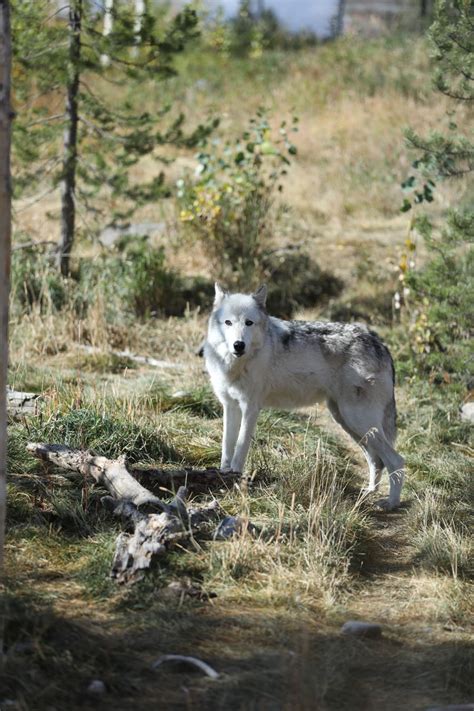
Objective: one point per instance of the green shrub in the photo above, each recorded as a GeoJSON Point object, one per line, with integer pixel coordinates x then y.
{"type": "Point", "coordinates": [228, 206]}
{"type": "Point", "coordinates": [439, 302]}
{"type": "Point", "coordinates": [143, 283]}
{"type": "Point", "coordinates": [295, 280]}
{"type": "Point", "coordinates": [35, 280]}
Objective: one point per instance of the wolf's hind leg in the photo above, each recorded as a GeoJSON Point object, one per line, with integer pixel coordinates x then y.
{"type": "Point", "coordinates": [366, 424]}
{"type": "Point", "coordinates": [374, 462]}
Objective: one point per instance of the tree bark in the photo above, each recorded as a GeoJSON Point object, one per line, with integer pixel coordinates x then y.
{"type": "Point", "coordinates": [68, 182]}
{"type": "Point", "coordinates": [108, 27]}
{"type": "Point", "coordinates": [424, 8]}
{"type": "Point", "coordinates": [140, 9]}
{"type": "Point", "coordinates": [137, 484]}
{"type": "Point", "coordinates": [6, 116]}
{"type": "Point", "coordinates": [339, 18]}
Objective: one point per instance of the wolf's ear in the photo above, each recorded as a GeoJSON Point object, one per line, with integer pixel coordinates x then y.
{"type": "Point", "coordinates": [260, 296]}
{"type": "Point", "coordinates": [219, 295]}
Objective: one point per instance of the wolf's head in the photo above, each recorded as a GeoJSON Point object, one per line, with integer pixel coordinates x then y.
{"type": "Point", "coordinates": [237, 323]}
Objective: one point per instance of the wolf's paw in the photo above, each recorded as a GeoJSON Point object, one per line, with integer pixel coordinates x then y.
{"type": "Point", "coordinates": [228, 470]}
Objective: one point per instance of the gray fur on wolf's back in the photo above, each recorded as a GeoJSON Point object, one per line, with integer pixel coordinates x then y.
{"type": "Point", "coordinates": [335, 338]}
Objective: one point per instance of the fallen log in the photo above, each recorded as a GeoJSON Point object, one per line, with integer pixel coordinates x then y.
{"type": "Point", "coordinates": [141, 359]}
{"type": "Point", "coordinates": [150, 534]}
{"type": "Point", "coordinates": [20, 404]}
{"type": "Point", "coordinates": [196, 480]}
{"type": "Point", "coordinates": [151, 480]}
{"type": "Point", "coordinates": [112, 473]}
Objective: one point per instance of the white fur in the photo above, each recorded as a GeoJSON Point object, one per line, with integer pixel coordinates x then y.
{"type": "Point", "coordinates": [290, 364]}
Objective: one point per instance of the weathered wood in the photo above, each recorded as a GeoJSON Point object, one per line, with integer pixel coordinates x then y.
{"type": "Point", "coordinates": [152, 534]}
{"type": "Point", "coordinates": [112, 473]}
{"type": "Point", "coordinates": [143, 360]}
{"type": "Point", "coordinates": [151, 480]}
{"type": "Point", "coordinates": [20, 403]}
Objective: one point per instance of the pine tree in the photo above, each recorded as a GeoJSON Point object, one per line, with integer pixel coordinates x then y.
{"type": "Point", "coordinates": [5, 251]}
{"type": "Point", "coordinates": [444, 288]}
{"type": "Point", "coordinates": [59, 62]}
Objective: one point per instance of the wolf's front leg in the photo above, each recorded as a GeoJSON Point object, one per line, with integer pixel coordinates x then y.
{"type": "Point", "coordinates": [232, 420]}
{"type": "Point", "coordinates": [247, 428]}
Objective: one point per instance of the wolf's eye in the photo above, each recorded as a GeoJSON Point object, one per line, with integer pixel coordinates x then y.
{"type": "Point", "coordinates": [249, 322]}
{"type": "Point", "coordinates": [228, 323]}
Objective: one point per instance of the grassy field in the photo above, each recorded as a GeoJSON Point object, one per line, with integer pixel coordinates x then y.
{"type": "Point", "coordinates": [272, 605]}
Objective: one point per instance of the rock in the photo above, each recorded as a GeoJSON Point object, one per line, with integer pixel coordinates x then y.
{"type": "Point", "coordinates": [228, 527]}
{"type": "Point", "coordinates": [362, 629]}
{"type": "Point", "coordinates": [180, 394]}
{"type": "Point", "coordinates": [96, 687]}
{"type": "Point", "coordinates": [109, 235]}
{"type": "Point", "coordinates": [233, 525]}
{"type": "Point", "coordinates": [453, 707]}
{"type": "Point", "coordinates": [23, 648]}
{"type": "Point", "coordinates": [467, 412]}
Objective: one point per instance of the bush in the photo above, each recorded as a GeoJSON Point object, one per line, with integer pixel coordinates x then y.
{"type": "Point", "coordinates": [228, 207]}
{"type": "Point", "coordinates": [438, 297]}
{"type": "Point", "coordinates": [134, 280]}
{"type": "Point", "coordinates": [295, 280]}
{"type": "Point", "coordinates": [146, 284]}
{"type": "Point", "coordinates": [36, 281]}
{"type": "Point", "coordinates": [249, 33]}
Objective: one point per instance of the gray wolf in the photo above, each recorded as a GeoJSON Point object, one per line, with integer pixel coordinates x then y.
{"type": "Point", "coordinates": [255, 361]}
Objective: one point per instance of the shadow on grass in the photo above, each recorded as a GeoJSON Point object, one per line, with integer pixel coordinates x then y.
{"type": "Point", "coordinates": [266, 660]}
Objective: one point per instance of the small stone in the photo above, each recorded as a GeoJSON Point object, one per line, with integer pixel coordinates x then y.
{"type": "Point", "coordinates": [23, 648]}
{"type": "Point", "coordinates": [228, 527]}
{"type": "Point", "coordinates": [467, 412]}
{"type": "Point", "coordinates": [362, 629]}
{"type": "Point", "coordinates": [179, 394]}
{"type": "Point", "coordinates": [96, 687]}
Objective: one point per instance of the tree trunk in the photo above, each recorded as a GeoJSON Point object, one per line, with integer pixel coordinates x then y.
{"type": "Point", "coordinates": [140, 9]}
{"type": "Point", "coordinates": [338, 22]}
{"type": "Point", "coordinates": [5, 254]}
{"type": "Point", "coordinates": [68, 182]}
{"type": "Point", "coordinates": [108, 27]}
{"type": "Point", "coordinates": [424, 8]}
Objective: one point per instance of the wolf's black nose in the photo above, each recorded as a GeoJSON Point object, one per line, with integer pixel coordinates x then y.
{"type": "Point", "coordinates": [239, 346]}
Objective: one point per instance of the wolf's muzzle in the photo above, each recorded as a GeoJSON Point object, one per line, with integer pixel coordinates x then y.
{"type": "Point", "coordinates": [239, 348]}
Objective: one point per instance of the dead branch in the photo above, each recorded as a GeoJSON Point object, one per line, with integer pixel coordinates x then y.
{"type": "Point", "coordinates": [143, 360]}
{"type": "Point", "coordinates": [112, 473]}
{"type": "Point", "coordinates": [196, 480]}
{"type": "Point", "coordinates": [20, 403]}
{"type": "Point", "coordinates": [152, 480]}
{"type": "Point", "coordinates": [149, 535]}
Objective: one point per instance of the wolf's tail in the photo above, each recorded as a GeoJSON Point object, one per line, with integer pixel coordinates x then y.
{"type": "Point", "coordinates": [390, 412]}
{"type": "Point", "coordinates": [390, 421]}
